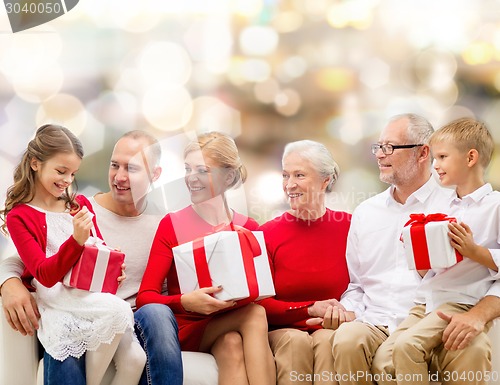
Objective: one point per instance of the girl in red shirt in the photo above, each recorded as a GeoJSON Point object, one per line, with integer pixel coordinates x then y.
{"type": "Point", "coordinates": [39, 217]}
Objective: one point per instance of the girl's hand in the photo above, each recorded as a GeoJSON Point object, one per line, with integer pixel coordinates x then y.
{"type": "Point", "coordinates": [200, 301]}
{"type": "Point", "coordinates": [122, 277]}
{"type": "Point", "coordinates": [82, 223]}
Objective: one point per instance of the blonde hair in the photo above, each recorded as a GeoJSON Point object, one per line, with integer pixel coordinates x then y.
{"type": "Point", "coordinates": [49, 141]}
{"type": "Point", "coordinates": [222, 150]}
{"type": "Point", "coordinates": [467, 134]}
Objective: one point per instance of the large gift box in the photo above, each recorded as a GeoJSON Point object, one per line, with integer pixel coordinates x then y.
{"type": "Point", "coordinates": [427, 244]}
{"type": "Point", "coordinates": [97, 269]}
{"type": "Point", "coordinates": [236, 260]}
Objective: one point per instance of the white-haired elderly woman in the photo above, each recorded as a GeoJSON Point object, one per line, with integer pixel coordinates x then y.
{"type": "Point", "coordinates": [306, 247]}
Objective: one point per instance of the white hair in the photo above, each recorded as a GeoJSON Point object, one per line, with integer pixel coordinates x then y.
{"type": "Point", "coordinates": [319, 156]}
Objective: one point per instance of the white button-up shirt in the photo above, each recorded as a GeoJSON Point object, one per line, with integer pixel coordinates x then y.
{"type": "Point", "coordinates": [468, 281]}
{"type": "Point", "coordinates": [382, 288]}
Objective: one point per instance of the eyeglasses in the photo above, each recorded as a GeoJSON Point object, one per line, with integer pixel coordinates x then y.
{"type": "Point", "coordinates": [388, 149]}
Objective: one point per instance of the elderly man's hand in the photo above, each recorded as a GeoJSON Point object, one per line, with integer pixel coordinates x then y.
{"type": "Point", "coordinates": [334, 317]}
{"type": "Point", "coordinates": [461, 330]}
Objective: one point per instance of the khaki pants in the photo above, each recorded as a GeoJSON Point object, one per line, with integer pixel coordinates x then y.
{"type": "Point", "coordinates": [416, 345]}
{"type": "Point", "coordinates": [354, 346]}
{"type": "Point", "coordinates": [303, 358]}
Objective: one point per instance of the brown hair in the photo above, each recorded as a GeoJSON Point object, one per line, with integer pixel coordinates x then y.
{"type": "Point", "coordinates": [49, 140]}
{"type": "Point", "coordinates": [222, 149]}
{"type": "Point", "coordinates": [467, 134]}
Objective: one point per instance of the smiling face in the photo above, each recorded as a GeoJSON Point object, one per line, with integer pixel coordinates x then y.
{"type": "Point", "coordinates": [303, 185]}
{"type": "Point", "coordinates": [55, 175]}
{"type": "Point", "coordinates": [450, 163]}
{"type": "Point", "coordinates": [399, 168]}
{"type": "Point", "coordinates": [129, 176]}
{"type": "Point", "coordinates": [204, 178]}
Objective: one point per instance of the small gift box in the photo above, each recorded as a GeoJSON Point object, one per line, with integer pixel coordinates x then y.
{"type": "Point", "coordinates": [97, 269]}
{"type": "Point", "coordinates": [427, 244]}
{"type": "Point", "coordinates": [236, 260]}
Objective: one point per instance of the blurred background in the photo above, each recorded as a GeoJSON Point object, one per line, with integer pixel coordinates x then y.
{"type": "Point", "coordinates": [265, 71]}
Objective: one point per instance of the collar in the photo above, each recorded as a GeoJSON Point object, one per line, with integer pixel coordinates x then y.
{"type": "Point", "coordinates": [474, 196]}
{"type": "Point", "coordinates": [419, 195]}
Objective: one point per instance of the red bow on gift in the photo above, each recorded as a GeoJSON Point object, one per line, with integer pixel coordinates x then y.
{"type": "Point", "coordinates": [417, 224]}
{"type": "Point", "coordinates": [422, 218]}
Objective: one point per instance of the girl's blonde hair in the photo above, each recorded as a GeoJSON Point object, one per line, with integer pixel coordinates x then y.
{"type": "Point", "coordinates": [222, 150]}
{"type": "Point", "coordinates": [49, 141]}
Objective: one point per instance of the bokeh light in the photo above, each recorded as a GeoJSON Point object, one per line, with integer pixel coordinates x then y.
{"type": "Point", "coordinates": [63, 109]}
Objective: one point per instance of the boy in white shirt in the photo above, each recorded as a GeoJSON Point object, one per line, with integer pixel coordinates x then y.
{"type": "Point", "coordinates": [462, 151]}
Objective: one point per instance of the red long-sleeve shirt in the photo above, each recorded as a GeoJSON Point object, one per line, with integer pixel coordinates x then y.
{"type": "Point", "coordinates": [308, 264]}
{"type": "Point", "coordinates": [28, 229]}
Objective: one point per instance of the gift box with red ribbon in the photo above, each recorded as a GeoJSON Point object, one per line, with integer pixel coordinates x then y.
{"type": "Point", "coordinates": [97, 269]}
{"type": "Point", "coordinates": [236, 260]}
{"type": "Point", "coordinates": [427, 244]}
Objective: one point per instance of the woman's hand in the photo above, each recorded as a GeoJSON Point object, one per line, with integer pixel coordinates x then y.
{"type": "Point", "coordinates": [82, 223]}
{"type": "Point", "coordinates": [200, 301]}
{"type": "Point", "coordinates": [318, 308]}
{"type": "Point", "coordinates": [333, 318]}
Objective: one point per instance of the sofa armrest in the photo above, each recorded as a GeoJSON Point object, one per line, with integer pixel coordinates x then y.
{"type": "Point", "coordinates": [494, 334]}
{"type": "Point", "coordinates": [18, 355]}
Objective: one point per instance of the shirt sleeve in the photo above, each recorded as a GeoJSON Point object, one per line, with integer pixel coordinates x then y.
{"type": "Point", "coordinates": [495, 255]}
{"type": "Point", "coordinates": [11, 267]}
{"type": "Point", "coordinates": [158, 267]}
{"type": "Point", "coordinates": [352, 299]}
{"type": "Point", "coordinates": [48, 271]}
{"type": "Point", "coordinates": [285, 313]}
{"type": "Point", "coordinates": [494, 289]}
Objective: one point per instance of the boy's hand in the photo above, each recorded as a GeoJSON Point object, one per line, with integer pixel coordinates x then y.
{"type": "Point", "coordinates": [82, 223]}
{"type": "Point", "coordinates": [462, 239]}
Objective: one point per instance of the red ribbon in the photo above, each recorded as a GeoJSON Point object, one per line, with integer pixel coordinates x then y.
{"type": "Point", "coordinates": [250, 249]}
{"type": "Point", "coordinates": [417, 224]}
{"type": "Point", "coordinates": [423, 219]}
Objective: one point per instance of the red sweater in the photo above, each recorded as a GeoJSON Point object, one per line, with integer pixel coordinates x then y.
{"type": "Point", "coordinates": [308, 264]}
{"type": "Point", "coordinates": [28, 230]}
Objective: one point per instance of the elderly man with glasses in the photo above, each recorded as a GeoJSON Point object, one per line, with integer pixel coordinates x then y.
{"type": "Point", "coordinates": [382, 288]}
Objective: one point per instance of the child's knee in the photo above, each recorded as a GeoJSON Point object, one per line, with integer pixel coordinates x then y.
{"type": "Point", "coordinates": [133, 361]}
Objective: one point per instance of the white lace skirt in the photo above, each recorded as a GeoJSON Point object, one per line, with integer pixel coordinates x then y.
{"type": "Point", "coordinates": [74, 321]}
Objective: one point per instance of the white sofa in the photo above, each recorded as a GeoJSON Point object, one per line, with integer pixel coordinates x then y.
{"type": "Point", "coordinates": [19, 364]}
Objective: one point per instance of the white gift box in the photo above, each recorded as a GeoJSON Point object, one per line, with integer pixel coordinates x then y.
{"type": "Point", "coordinates": [225, 261]}
{"type": "Point", "coordinates": [427, 244]}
